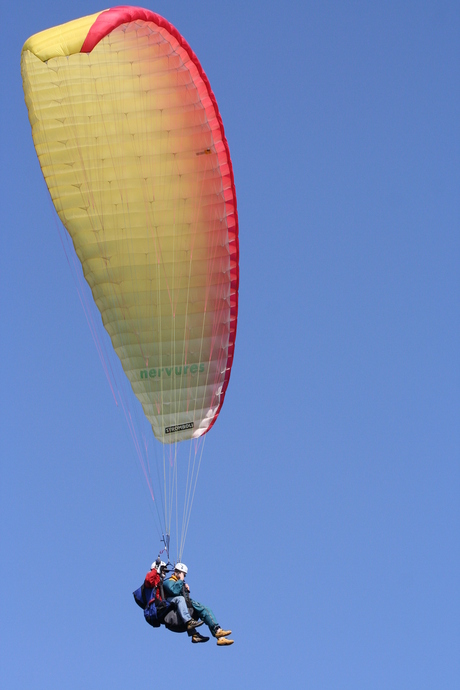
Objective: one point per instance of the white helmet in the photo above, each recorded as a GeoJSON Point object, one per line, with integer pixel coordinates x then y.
{"type": "Point", "coordinates": [158, 565]}
{"type": "Point", "coordinates": [181, 567]}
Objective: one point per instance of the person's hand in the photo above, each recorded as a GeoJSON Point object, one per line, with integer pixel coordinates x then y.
{"type": "Point", "coordinates": [187, 587]}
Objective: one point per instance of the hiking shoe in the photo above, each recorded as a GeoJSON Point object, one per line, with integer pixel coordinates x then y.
{"type": "Point", "coordinates": [222, 641]}
{"type": "Point", "coordinates": [193, 624]}
{"type": "Point", "coordinates": [199, 638]}
{"type": "Point", "coordinates": [222, 633]}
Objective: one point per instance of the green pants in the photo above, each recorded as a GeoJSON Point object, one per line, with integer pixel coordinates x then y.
{"type": "Point", "coordinates": [206, 616]}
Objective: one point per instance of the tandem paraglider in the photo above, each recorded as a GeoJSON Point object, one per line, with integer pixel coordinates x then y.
{"type": "Point", "coordinates": [166, 601]}
{"type": "Point", "coordinates": [133, 151]}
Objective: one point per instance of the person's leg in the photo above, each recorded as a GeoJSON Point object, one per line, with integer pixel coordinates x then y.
{"type": "Point", "coordinates": [181, 606]}
{"type": "Point", "coordinates": [209, 618]}
{"type": "Point", "coordinates": [206, 615]}
{"type": "Point", "coordinates": [184, 613]}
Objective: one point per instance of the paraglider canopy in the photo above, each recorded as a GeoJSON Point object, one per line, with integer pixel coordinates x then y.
{"type": "Point", "coordinates": [133, 150]}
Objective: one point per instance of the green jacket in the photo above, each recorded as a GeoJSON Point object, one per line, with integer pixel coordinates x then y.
{"type": "Point", "coordinates": [173, 587]}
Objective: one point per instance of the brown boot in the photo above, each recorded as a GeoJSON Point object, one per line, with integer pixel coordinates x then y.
{"type": "Point", "coordinates": [193, 624]}
{"type": "Point", "coordinates": [223, 641]}
{"type": "Point", "coordinates": [222, 633]}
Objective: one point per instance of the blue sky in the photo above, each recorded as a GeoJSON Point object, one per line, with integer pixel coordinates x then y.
{"type": "Point", "coordinates": [325, 529]}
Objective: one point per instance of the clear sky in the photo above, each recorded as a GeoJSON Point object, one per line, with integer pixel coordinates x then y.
{"type": "Point", "coordinates": [325, 530]}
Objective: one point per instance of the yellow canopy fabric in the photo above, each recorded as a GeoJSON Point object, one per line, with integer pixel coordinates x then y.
{"type": "Point", "coordinates": [133, 151]}
{"type": "Point", "coordinates": [65, 39]}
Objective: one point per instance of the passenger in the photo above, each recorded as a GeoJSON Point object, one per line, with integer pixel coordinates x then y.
{"type": "Point", "coordinates": [178, 592]}
{"type": "Point", "coordinates": [173, 589]}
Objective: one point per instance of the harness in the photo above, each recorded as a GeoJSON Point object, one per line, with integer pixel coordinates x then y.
{"type": "Point", "coordinates": [154, 609]}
